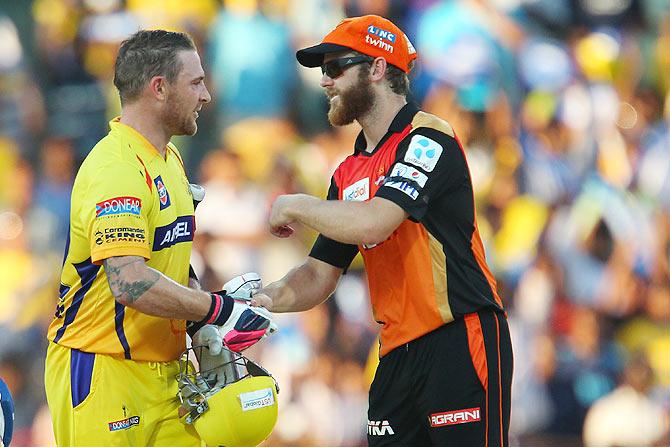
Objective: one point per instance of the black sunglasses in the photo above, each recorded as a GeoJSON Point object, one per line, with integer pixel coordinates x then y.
{"type": "Point", "coordinates": [335, 67]}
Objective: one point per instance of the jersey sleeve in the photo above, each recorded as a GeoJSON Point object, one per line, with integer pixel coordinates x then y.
{"type": "Point", "coordinates": [427, 163]}
{"type": "Point", "coordinates": [116, 205]}
{"type": "Point", "coordinates": [330, 251]}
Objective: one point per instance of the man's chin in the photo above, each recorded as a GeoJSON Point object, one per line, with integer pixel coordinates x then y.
{"type": "Point", "coordinates": [188, 129]}
{"type": "Point", "coordinates": [337, 118]}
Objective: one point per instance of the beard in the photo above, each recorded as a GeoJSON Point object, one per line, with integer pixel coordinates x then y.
{"type": "Point", "coordinates": [177, 120]}
{"type": "Point", "coordinates": [353, 103]}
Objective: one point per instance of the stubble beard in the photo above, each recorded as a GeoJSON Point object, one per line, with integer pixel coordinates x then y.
{"type": "Point", "coordinates": [353, 103]}
{"type": "Point", "coordinates": [177, 120]}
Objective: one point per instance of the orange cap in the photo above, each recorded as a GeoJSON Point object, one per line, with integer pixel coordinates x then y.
{"type": "Point", "coordinates": [370, 35]}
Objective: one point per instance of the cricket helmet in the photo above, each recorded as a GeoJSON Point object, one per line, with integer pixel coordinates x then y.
{"type": "Point", "coordinates": [240, 413]}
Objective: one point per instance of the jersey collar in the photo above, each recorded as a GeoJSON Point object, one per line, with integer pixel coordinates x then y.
{"type": "Point", "coordinates": [399, 123]}
{"type": "Point", "coordinates": [137, 139]}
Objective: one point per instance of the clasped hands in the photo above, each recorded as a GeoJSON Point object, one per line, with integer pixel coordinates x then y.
{"type": "Point", "coordinates": [245, 327]}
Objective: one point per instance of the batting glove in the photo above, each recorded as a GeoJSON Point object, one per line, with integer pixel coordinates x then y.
{"type": "Point", "coordinates": [217, 365]}
{"type": "Point", "coordinates": [243, 287]}
{"type": "Point", "coordinates": [246, 326]}
{"type": "Point", "coordinates": [240, 325]}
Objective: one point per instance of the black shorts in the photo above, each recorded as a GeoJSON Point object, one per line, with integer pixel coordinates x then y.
{"type": "Point", "coordinates": [450, 387]}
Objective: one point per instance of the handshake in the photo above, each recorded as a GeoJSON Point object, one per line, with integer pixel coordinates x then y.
{"type": "Point", "coordinates": [245, 325]}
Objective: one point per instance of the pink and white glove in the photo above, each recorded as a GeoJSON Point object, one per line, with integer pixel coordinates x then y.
{"type": "Point", "coordinates": [246, 325]}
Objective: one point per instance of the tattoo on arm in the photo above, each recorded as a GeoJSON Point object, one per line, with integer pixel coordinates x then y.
{"type": "Point", "coordinates": [129, 291]}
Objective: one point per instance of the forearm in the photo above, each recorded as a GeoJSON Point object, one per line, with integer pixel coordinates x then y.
{"type": "Point", "coordinates": [146, 290]}
{"type": "Point", "coordinates": [301, 289]}
{"type": "Point", "coordinates": [349, 222]}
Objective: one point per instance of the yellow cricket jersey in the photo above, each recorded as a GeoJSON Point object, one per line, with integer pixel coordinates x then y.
{"type": "Point", "coordinates": [126, 201]}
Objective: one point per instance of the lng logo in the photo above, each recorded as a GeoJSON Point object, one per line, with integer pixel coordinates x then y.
{"type": "Point", "coordinates": [163, 195]}
{"type": "Point", "coordinates": [423, 152]}
{"type": "Point", "coordinates": [380, 428]}
{"type": "Point", "coordinates": [359, 191]}
{"type": "Point", "coordinates": [118, 205]}
{"type": "Point", "coordinates": [406, 179]}
{"type": "Point", "coordinates": [384, 37]}
{"type": "Point", "coordinates": [257, 399]}
{"type": "Point", "coordinates": [124, 424]}
{"type": "Point", "coordinates": [455, 417]}
{"type": "Point", "coordinates": [382, 33]}
{"type": "Point", "coordinates": [181, 230]}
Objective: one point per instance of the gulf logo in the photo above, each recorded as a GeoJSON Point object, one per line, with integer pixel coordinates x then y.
{"type": "Point", "coordinates": [163, 195]}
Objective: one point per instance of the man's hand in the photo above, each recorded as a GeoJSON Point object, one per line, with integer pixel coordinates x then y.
{"type": "Point", "coordinates": [239, 325]}
{"type": "Point", "coordinates": [260, 299]}
{"type": "Point", "coordinates": [280, 218]}
{"type": "Point", "coordinates": [246, 326]}
{"type": "Point", "coordinates": [243, 287]}
{"type": "Point", "coordinates": [208, 346]}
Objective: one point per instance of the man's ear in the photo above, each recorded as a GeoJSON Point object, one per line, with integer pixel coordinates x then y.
{"type": "Point", "coordinates": [378, 69]}
{"type": "Point", "coordinates": [158, 87]}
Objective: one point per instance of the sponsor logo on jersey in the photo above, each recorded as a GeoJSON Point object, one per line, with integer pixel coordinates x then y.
{"type": "Point", "coordinates": [410, 173]}
{"type": "Point", "coordinates": [118, 205]}
{"type": "Point", "coordinates": [124, 424]}
{"type": "Point", "coordinates": [423, 152]}
{"type": "Point", "coordinates": [257, 399]}
{"type": "Point", "coordinates": [119, 234]}
{"type": "Point", "coordinates": [359, 191]}
{"type": "Point", "coordinates": [403, 186]}
{"type": "Point", "coordinates": [181, 230]}
{"type": "Point", "coordinates": [455, 417]}
{"type": "Point", "coordinates": [380, 428]}
{"type": "Point", "coordinates": [163, 195]}
{"type": "Point", "coordinates": [406, 179]}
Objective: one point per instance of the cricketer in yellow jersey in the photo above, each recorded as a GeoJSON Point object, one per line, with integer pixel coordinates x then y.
{"type": "Point", "coordinates": [127, 298]}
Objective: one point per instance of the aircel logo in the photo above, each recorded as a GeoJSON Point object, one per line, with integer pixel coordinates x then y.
{"type": "Point", "coordinates": [455, 417]}
{"type": "Point", "coordinates": [358, 191]}
{"type": "Point", "coordinates": [124, 424]}
{"type": "Point", "coordinates": [181, 230]}
{"type": "Point", "coordinates": [380, 428]}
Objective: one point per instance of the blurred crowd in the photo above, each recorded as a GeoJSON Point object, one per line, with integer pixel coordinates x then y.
{"type": "Point", "coordinates": [563, 108]}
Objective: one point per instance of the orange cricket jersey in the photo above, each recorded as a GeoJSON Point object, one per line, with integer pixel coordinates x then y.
{"type": "Point", "coordinates": [432, 269]}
